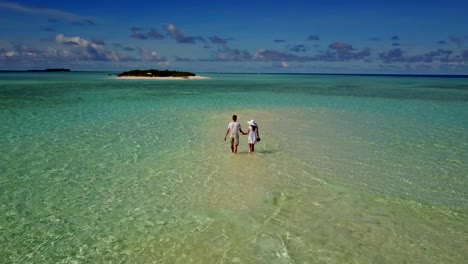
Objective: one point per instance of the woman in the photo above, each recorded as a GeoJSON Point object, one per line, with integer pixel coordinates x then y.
{"type": "Point", "coordinates": [252, 135]}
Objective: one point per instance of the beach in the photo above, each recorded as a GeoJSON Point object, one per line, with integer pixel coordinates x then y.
{"type": "Point", "coordinates": [350, 169]}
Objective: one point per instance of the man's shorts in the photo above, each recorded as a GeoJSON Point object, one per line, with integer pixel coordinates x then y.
{"type": "Point", "coordinates": [234, 140]}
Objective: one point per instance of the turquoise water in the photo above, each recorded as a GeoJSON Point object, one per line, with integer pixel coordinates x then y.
{"type": "Point", "coordinates": [350, 169]}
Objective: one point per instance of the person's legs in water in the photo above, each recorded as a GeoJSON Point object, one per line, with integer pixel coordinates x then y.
{"type": "Point", "coordinates": [236, 144]}
{"type": "Point", "coordinates": [232, 144]}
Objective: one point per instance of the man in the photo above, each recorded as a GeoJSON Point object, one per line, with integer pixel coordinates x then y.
{"type": "Point", "coordinates": [234, 128]}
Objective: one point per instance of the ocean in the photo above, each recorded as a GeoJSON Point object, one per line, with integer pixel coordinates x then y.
{"type": "Point", "coordinates": [350, 169]}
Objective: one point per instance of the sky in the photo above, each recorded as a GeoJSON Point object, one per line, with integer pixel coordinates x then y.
{"type": "Point", "coordinates": [334, 36]}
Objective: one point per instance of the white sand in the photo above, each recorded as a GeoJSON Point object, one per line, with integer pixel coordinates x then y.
{"type": "Point", "coordinates": [164, 78]}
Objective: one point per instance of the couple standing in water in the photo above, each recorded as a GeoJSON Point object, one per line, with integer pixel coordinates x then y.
{"type": "Point", "coordinates": [234, 128]}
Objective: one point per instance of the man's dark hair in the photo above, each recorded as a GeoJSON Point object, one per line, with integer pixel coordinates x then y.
{"type": "Point", "coordinates": [234, 117]}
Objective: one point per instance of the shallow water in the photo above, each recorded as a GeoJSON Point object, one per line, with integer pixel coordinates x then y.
{"type": "Point", "coordinates": [363, 169]}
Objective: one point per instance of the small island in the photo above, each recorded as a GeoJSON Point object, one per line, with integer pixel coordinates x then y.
{"type": "Point", "coordinates": [51, 70]}
{"type": "Point", "coordinates": [158, 75]}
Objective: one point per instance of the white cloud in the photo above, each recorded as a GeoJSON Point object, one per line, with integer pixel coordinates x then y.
{"type": "Point", "coordinates": [11, 53]}
{"type": "Point", "coordinates": [149, 55]}
{"type": "Point", "coordinates": [86, 50]}
{"type": "Point", "coordinates": [54, 15]}
{"type": "Point", "coordinates": [61, 39]}
{"type": "Point", "coordinates": [170, 27]}
{"type": "Point", "coordinates": [258, 55]}
{"type": "Point", "coordinates": [40, 11]}
{"type": "Point", "coordinates": [181, 38]}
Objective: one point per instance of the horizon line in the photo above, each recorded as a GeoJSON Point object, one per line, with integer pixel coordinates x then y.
{"type": "Point", "coordinates": [278, 73]}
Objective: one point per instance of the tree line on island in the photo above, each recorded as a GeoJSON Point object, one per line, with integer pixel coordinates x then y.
{"type": "Point", "coordinates": [51, 70]}
{"type": "Point", "coordinates": [156, 73]}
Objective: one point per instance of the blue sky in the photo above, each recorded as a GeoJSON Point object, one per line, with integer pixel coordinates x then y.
{"type": "Point", "coordinates": [334, 36]}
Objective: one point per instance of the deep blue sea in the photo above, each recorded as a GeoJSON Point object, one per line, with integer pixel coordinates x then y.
{"type": "Point", "coordinates": [350, 169]}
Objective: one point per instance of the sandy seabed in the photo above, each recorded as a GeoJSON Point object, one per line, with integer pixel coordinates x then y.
{"type": "Point", "coordinates": [163, 78]}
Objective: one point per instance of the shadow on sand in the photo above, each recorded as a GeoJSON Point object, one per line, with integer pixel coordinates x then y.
{"type": "Point", "coordinates": [262, 152]}
{"type": "Point", "coordinates": [265, 151]}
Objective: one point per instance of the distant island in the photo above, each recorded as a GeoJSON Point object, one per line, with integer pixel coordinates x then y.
{"type": "Point", "coordinates": [156, 73]}
{"type": "Point", "coordinates": [51, 70]}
